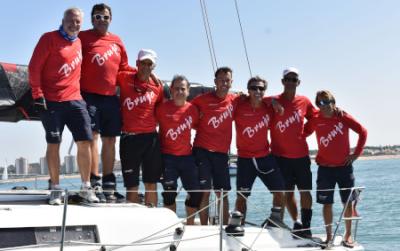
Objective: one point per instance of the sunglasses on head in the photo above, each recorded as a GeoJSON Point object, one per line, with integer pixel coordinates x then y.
{"type": "Point", "coordinates": [101, 17]}
{"type": "Point", "coordinates": [294, 80]}
{"type": "Point", "coordinates": [256, 88]}
{"type": "Point", "coordinates": [324, 102]}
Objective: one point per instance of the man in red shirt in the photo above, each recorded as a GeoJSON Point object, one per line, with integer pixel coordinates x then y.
{"type": "Point", "coordinates": [252, 120]}
{"type": "Point", "coordinates": [291, 150]}
{"type": "Point", "coordinates": [54, 72]}
{"type": "Point", "coordinates": [139, 143]}
{"type": "Point", "coordinates": [104, 55]}
{"type": "Point", "coordinates": [213, 139]}
{"type": "Point", "coordinates": [334, 158]}
{"type": "Point", "coordinates": [176, 118]}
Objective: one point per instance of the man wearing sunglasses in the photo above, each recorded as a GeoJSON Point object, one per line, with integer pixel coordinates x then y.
{"type": "Point", "coordinates": [334, 158]}
{"type": "Point", "coordinates": [252, 120]}
{"type": "Point", "coordinates": [139, 143]}
{"type": "Point", "coordinates": [291, 149]}
{"type": "Point", "coordinates": [104, 55]}
{"type": "Point", "coordinates": [54, 72]}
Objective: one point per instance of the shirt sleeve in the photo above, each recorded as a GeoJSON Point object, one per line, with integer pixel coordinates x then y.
{"type": "Point", "coordinates": [359, 129]}
{"type": "Point", "coordinates": [309, 128]}
{"type": "Point", "coordinates": [124, 66]}
{"type": "Point", "coordinates": [36, 65]}
{"type": "Point", "coordinates": [311, 110]}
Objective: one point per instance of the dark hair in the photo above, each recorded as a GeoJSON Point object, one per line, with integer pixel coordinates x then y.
{"type": "Point", "coordinates": [101, 7]}
{"type": "Point", "coordinates": [325, 94]}
{"type": "Point", "coordinates": [179, 78]}
{"type": "Point", "coordinates": [224, 69]}
{"type": "Point", "coordinates": [257, 79]}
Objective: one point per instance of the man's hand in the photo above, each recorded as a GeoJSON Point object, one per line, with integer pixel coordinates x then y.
{"type": "Point", "coordinates": [40, 105]}
{"type": "Point", "coordinates": [350, 159]}
{"type": "Point", "coordinates": [339, 112]}
{"type": "Point", "coordinates": [278, 108]}
{"type": "Point", "coordinates": [156, 80]}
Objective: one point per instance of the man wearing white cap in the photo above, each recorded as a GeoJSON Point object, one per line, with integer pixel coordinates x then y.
{"type": "Point", "coordinates": [291, 149]}
{"type": "Point", "coordinates": [139, 143]}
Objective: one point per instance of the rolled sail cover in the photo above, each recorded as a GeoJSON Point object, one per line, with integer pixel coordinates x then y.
{"type": "Point", "coordinates": [15, 93]}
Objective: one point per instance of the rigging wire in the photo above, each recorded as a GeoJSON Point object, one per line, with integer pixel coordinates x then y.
{"type": "Point", "coordinates": [210, 40]}
{"type": "Point", "coordinates": [243, 39]}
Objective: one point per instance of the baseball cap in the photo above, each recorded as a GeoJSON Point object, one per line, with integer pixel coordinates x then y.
{"type": "Point", "coordinates": [147, 54]}
{"type": "Point", "coordinates": [290, 70]}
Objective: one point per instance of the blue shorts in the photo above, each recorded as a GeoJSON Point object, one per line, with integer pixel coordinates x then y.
{"type": "Point", "coordinates": [183, 167]}
{"type": "Point", "coordinates": [296, 172]}
{"type": "Point", "coordinates": [73, 114]}
{"type": "Point", "coordinates": [265, 168]}
{"type": "Point", "coordinates": [327, 179]}
{"type": "Point", "coordinates": [140, 151]}
{"type": "Point", "coordinates": [105, 114]}
{"type": "Point", "coordinates": [213, 169]}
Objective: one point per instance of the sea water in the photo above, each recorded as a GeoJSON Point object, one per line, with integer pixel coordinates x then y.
{"type": "Point", "coordinates": [379, 207]}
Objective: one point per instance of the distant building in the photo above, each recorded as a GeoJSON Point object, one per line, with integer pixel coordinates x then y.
{"type": "Point", "coordinates": [34, 168]}
{"type": "Point", "coordinates": [71, 165]}
{"type": "Point", "coordinates": [21, 166]}
{"type": "Point", "coordinates": [44, 169]}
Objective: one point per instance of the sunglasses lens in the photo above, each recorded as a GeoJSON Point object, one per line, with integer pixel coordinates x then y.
{"type": "Point", "coordinates": [294, 80]}
{"type": "Point", "coordinates": [101, 17]}
{"type": "Point", "coordinates": [255, 88]}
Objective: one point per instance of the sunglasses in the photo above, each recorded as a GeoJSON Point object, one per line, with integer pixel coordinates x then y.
{"type": "Point", "coordinates": [101, 17]}
{"type": "Point", "coordinates": [293, 80]}
{"type": "Point", "coordinates": [324, 102]}
{"type": "Point", "coordinates": [256, 88]}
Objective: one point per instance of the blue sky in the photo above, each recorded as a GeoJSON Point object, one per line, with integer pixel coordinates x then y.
{"type": "Point", "coordinates": [348, 47]}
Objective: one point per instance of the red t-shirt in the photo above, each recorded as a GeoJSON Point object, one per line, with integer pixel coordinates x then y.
{"type": "Point", "coordinates": [287, 130]}
{"type": "Point", "coordinates": [252, 129]}
{"type": "Point", "coordinates": [214, 132]}
{"type": "Point", "coordinates": [333, 138]}
{"type": "Point", "coordinates": [138, 101]}
{"type": "Point", "coordinates": [175, 124]}
{"type": "Point", "coordinates": [55, 68]}
{"type": "Point", "coordinates": [103, 57]}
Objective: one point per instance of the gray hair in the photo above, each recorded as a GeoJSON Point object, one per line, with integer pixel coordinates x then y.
{"type": "Point", "coordinates": [73, 10]}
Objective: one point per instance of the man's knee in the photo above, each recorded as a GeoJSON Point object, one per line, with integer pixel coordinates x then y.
{"type": "Point", "coordinates": [169, 197]}
{"type": "Point", "coordinates": [194, 199]}
{"type": "Point", "coordinates": [108, 141]}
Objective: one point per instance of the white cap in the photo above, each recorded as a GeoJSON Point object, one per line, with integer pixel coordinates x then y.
{"type": "Point", "coordinates": [147, 54]}
{"type": "Point", "coordinates": [289, 70]}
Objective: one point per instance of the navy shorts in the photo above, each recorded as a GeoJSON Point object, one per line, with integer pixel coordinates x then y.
{"type": "Point", "coordinates": [213, 169]}
{"type": "Point", "coordinates": [140, 151]}
{"type": "Point", "coordinates": [105, 114]}
{"type": "Point", "coordinates": [265, 168]}
{"type": "Point", "coordinates": [327, 179]}
{"type": "Point", "coordinates": [296, 172]}
{"type": "Point", "coordinates": [183, 167]}
{"type": "Point", "coordinates": [72, 114]}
